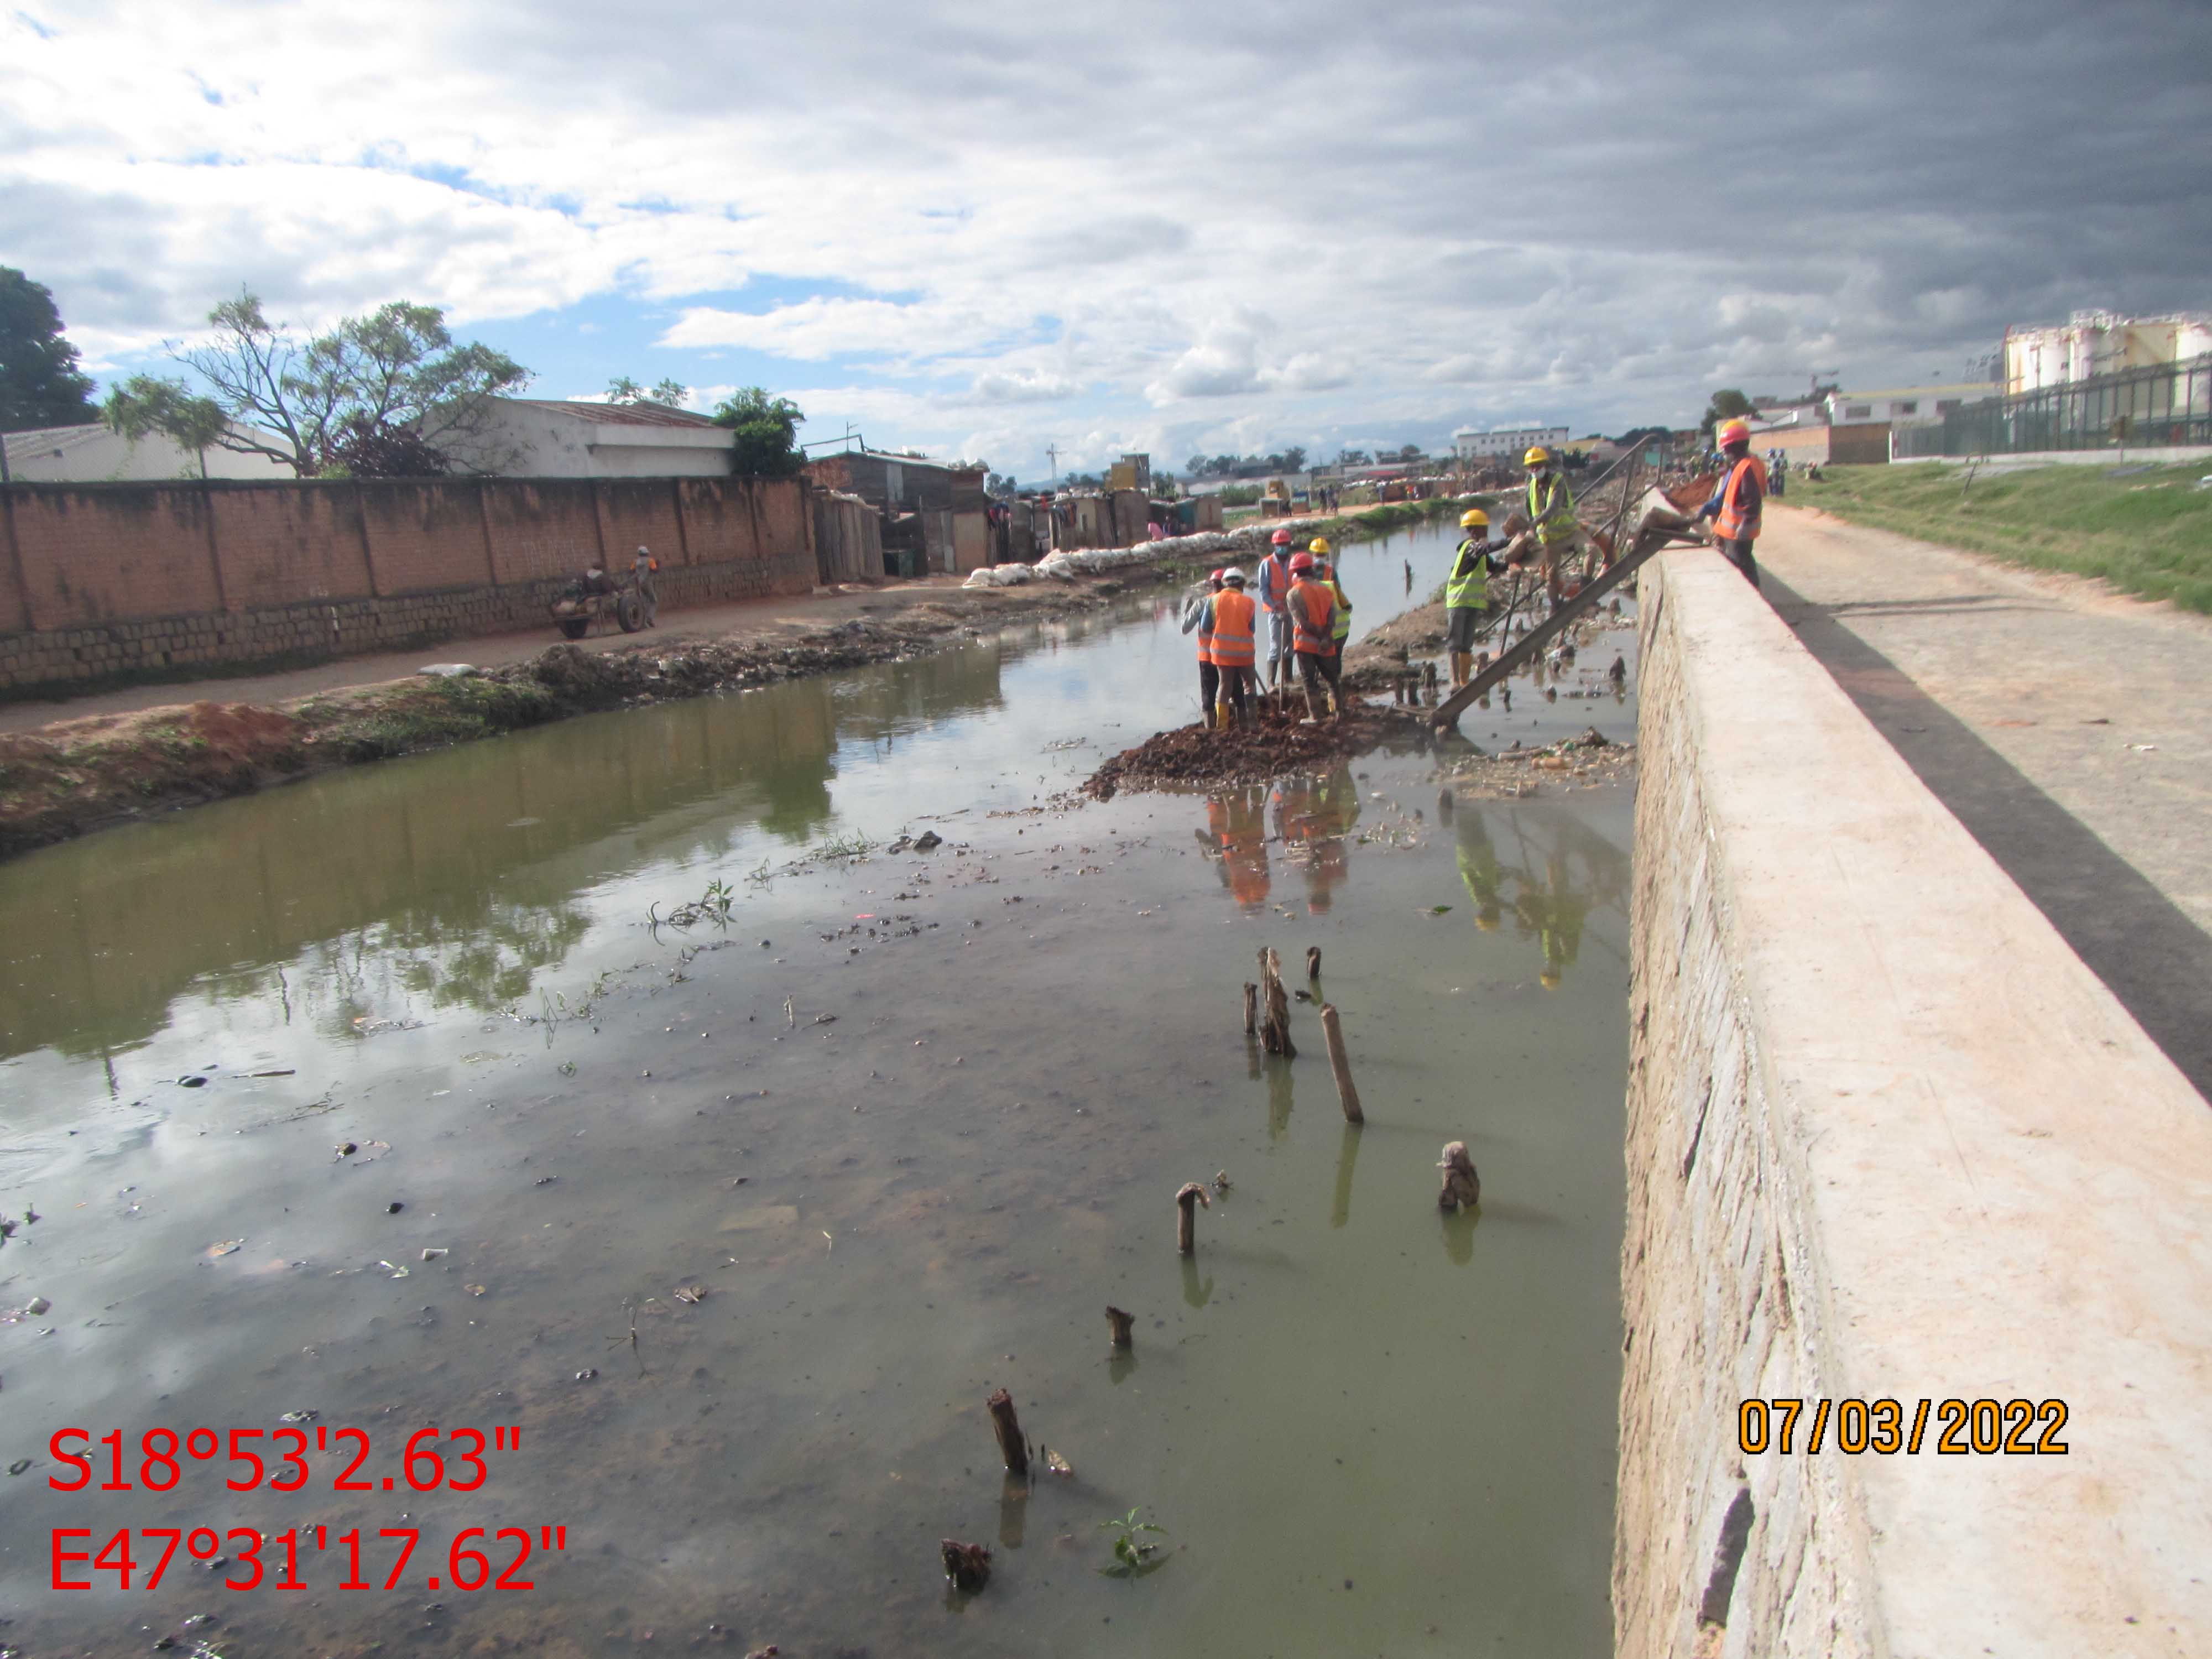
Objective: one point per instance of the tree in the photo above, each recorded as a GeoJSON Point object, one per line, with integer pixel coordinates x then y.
{"type": "Point", "coordinates": [768, 433]}
{"type": "Point", "coordinates": [1294, 459]}
{"type": "Point", "coordinates": [1727, 405]}
{"type": "Point", "coordinates": [364, 450]}
{"type": "Point", "coordinates": [671, 393]}
{"type": "Point", "coordinates": [1409, 452]}
{"type": "Point", "coordinates": [297, 402]}
{"type": "Point", "coordinates": [1353, 458]}
{"type": "Point", "coordinates": [40, 384]}
{"type": "Point", "coordinates": [1197, 467]}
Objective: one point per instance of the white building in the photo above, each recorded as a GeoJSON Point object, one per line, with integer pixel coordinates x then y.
{"type": "Point", "coordinates": [97, 454]}
{"type": "Point", "coordinates": [1904, 406]}
{"type": "Point", "coordinates": [543, 438]}
{"type": "Point", "coordinates": [2100, 342]}
{"type": "Point", "coordinates": [1508, 440]}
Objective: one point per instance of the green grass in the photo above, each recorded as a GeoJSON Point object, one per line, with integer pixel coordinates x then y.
{"type": "Point", "coordinates": [2148, 533]}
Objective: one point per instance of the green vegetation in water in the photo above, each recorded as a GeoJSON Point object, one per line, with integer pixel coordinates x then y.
{"type": "Point", "coordinates": [2147, 533]}
{"type": "Point", "coordinates": [1132, 1554]}
{"type": "Point", "coordinates": [713, 905]}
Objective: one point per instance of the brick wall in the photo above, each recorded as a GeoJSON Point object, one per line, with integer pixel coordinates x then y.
{"type": "Point", "coordinates": [112, 582]}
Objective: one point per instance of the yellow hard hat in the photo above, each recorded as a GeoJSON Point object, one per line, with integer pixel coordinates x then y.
{"type": "Point", "coordinates": [1537, 456]}
{"type": "Point", "coordinates": [1474, 518]}
{"type": "Point", "coordinates": [1318, 545]}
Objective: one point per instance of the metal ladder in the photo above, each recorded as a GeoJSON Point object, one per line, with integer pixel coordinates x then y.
{"type": "Point", "coordinates": [1649, 542]}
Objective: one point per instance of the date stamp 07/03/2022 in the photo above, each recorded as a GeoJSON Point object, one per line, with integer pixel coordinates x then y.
{"type": "Point", "coordinates": [1885, 1427]}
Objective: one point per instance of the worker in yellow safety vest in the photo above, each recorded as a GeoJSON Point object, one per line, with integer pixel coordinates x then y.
{"type": "Point", "coordinates": [1233, 615]}
{"type": "Point", "coordinates": [1467, 590]}
{"type": "Point", "coordinates": [1551, 513]}
{"type": "Point", "coordinates": [1735, 506]}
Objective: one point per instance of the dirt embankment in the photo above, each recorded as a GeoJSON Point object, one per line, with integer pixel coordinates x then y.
{"type": "Point", "coordinates": [1279, 744]}
{"type": "Point", "coordinates": [75, 776]}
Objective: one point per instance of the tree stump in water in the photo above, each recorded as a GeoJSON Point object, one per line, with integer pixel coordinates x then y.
{"type": "Point", "coordinates": [1119, 1323]}
{"type": "Point", "coordinates": [1462, 1187]}
{"type": "Point", "coordinates": [1313, 961]}
{"type": "Point", "coordinates": [1004, 1424]}
{"type": "Point", "coordinates": [968, 1566]}
{"type": "Point", "coordinates": [1188, 1197]}
{"type": "Point", "coordinates": [1276, 1003]}
{"type": "Point", "coordinates": [1346, 1096]}
{"type": "Point", "coordinates": [1251, 1008]}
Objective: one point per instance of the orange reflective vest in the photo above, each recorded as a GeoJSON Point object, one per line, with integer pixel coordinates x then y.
{"type": "Point", "coordinates": [1742, 495]}
{"type": "Point", "coordinates": [1206, 630]}
{"type": "Point", "coordinates": [1313, 612]}
{"type": "Point", "coordinates": [1232, 628]}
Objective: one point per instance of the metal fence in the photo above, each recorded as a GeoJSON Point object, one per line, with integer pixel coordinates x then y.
{"type": "Point", "coordinates": [2141, 408]}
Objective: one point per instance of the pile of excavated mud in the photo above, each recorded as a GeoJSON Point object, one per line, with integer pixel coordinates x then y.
{"type": "Point", "coordinates": [1279, 745]}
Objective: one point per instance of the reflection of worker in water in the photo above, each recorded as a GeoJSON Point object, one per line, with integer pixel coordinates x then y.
{"type": "Point", "coordinates": [1553, 912]}
{"type": "Point", "coordinates": [1236, 833]}
{"type": "Point", "coordinates": [1315, 814]}
{"type": "Point", "coordinates": [1478, 868]}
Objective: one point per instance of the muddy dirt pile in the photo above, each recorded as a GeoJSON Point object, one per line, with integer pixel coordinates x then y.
{"type": "Point", "coordinates": [1589, 760]}
{"type": "Point", "coordinates": [1279, 744]}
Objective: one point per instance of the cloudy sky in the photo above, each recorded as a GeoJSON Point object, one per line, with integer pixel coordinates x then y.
{"type": "Point", "coordinates": [978, 229]}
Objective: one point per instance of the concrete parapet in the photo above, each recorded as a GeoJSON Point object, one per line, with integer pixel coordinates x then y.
{"type": "Point", "coordinates": [1888, 1139]}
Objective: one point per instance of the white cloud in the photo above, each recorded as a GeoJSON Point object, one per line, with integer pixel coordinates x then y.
{"type": "Point", "coordinates": [983, 239]}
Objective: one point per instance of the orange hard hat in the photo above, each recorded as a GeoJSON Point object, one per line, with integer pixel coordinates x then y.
{"type": "Point", "coordinates": [1215, 577]}
{"type": "Point", "coordinates": [1301, 562]}
{"type": "Point", "coordinates": [1281, 539]}
{"type": "Point", "coordinates": [1733, 432]}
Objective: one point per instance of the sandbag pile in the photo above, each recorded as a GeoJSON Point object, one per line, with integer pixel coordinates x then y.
{"type": "Point", "coordinates": [1071, 562]}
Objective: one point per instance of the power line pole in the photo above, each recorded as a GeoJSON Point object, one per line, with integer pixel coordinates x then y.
{"type": "Point", "coordinates": [1052, 459]}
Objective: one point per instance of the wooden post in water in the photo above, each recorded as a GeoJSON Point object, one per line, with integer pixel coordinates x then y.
{"type": "Point", "coordinates": [1347, 1095]}
{"type": "Point", "coordinates": [1005, 1424]}
{"type": "Point", "coordinates": [1275, 1022]}
{"type": "Point", "coordinates": [1120, 1324]}
{"type": "Point", "coordinates": [1251, 1008]}
{"type": "Point", "coordinates": [1188, 1195]}
{"type": "Point", "coordinates": [1313, 961]}
{"type": "Point", "coordinates": [1462, 1186]}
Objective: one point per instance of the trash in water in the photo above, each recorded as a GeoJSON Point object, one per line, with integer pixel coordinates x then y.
{"type": "Point", "coordinates": [693, 1294]}
{"type": "Point", "coordinates": [394, 1207]}
{"type": "Point", "coordinates": [226, 1247]}
{"type": "Point", "coordinates": [927, 839]}
{"type": "Point", "coordinates": [1057, 1464]}
{"type": "Point", "coordinates": [587, 1373]}
{"type": "Point", "coordinates": [298, 1417]}
{"type": "Point", "coordinates": [287, 1071]}
{"type": "Point", "coordinates": [433, 1253]}
{"type": "Point", "coordinates": [191, 1083]}
{"type": "Point", "coordinates": [396, 1271]}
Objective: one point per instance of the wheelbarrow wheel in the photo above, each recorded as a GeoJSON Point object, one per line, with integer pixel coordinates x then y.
{"type": "Point", "coordinates": [629, 613]}
{"type": "Point", "coordinates": [574, 627]}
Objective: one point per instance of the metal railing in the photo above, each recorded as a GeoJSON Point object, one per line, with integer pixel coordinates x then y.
{"type": "Point", "coordinates": [2165, 404]}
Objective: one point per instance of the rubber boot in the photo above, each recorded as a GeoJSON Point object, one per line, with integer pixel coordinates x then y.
{"type": "Point", "coordinates": [1217, 717]}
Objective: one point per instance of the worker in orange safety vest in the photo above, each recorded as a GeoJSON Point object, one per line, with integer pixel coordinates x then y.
{"type": "Point", "coordinates": [1735, 506]}
{"type": "Point", "coordinates": [1312, 607]}
{"type": "Point", "coordinates": [1234, 614]}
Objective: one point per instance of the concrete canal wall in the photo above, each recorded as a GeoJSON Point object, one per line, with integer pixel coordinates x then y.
{"type": "Point", "coordinates": [1887, 1138]}
{"type": "Point", "coordinates": [105, 582]}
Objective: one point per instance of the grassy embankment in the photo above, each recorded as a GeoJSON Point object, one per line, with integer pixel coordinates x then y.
{"type": "Point", "coordinates": [2147, 533]}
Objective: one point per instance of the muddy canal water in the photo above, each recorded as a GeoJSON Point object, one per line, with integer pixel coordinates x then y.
{"type": "Point", "coordinates": [736, 1225]}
